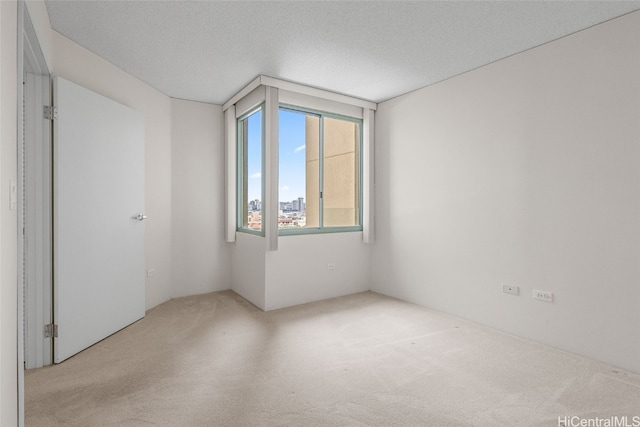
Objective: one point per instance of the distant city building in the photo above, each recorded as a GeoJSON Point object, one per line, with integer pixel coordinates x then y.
{"type": "Point", "coordinates": [297, 205]}
{"type": "Point", "coordinates": [292, 214]}
{"type": "Point", "coordinates": [286, 206]}
{"type": "Point", "coordinates": [292, 206]}
{"type": "Point", "coordinates": [255, 205]}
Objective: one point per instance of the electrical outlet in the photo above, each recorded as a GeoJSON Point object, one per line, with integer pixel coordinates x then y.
{"type": "Point", "coordinates": [151, 272]}
{"type": "Point", "coordinates": [331, 266]}
{"type": "Point", "coordinates": [543, 295]}
{"type": "Point", "coordinates": [510, 289]}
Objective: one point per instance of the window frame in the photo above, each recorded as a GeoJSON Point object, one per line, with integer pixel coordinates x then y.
{"type": "Point", "coordinates": [321, 229]}
{"type": "Point", "coordinates": [240, 171]}
{"type": "Point", "coordinates": [273, 91]}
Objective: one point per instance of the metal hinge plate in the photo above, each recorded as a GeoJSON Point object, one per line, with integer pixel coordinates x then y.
{"type": "Point", "coordinates": [50, 113]}
{"type": "Point", "coordinates": [50, 330]}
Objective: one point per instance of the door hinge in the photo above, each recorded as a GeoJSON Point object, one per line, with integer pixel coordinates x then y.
{"type": "Point", "coordinates": [50, 112]}
{"type": "Point", "coordinates": [51, 330]}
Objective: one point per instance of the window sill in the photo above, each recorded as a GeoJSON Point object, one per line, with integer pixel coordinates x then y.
{"type": "Point", "coordinates": [325, 230]}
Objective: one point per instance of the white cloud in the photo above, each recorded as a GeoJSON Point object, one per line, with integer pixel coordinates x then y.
{"type": "Point", "coordinates": [300, 148]}
{"type": "Point", "coordinates": [255, 175]}
{"type": "Point", "coordinates": [285, 188]}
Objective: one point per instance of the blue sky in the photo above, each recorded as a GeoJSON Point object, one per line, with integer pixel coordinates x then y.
{"type": "Point", "coordinates": [254, 153]}
{"type": "Point", "coordinates": [292, 155]}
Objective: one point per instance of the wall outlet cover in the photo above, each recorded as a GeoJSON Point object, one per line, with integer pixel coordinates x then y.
{"type": "Point", "coordinates": [510, 289]}
{"type": "Point", "coordinates": [543, 295]}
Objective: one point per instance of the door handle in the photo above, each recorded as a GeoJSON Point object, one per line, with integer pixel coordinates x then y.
{"type": "Point", "coordinates": [140, 217]}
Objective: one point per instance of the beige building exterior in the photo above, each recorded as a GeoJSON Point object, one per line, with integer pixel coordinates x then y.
{"type": "Point", "coordinates": [341, 186]}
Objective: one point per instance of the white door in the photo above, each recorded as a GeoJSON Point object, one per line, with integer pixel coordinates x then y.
{"type": "Point", "coordinates": [98, 237]}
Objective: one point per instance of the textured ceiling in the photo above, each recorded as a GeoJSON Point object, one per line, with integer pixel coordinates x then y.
{"type": "Point", "coordinates": [208, 50]}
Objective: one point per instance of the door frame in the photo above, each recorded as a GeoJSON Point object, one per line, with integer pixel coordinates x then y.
{"type": "Point", "coordinates": [37, 220]}
{"type": "Point", "coordinates": [34, 206]}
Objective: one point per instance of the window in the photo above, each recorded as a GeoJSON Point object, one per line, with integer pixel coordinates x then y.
{"type": "Point", "coordinates": [319, 171]}
{"type": "Point", "coordinates": [299, 160]}
{"type": "Point", "coordinates": [250, 171]}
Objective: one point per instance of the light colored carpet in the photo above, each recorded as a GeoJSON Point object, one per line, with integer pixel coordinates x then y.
{"type": "Point", "coordinates": [360, 360]}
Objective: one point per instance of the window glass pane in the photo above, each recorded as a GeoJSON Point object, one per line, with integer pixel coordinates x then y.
{"type": "Point", "coordinates": [250, 134]}
{"type": "Point", "coordinates": [298, 173]}
{"type": "Point", "coordinates": [341, 189]}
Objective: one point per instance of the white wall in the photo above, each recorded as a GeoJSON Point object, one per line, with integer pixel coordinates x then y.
{"type": "Point", "coordinates": [297, 272]}
{"type": "Point", "coordinates": [248, 268]}
{"type": "Point", "coordinates": [201, 257]}
{"type": "Point", "coordinates": [525, 171]}
{"type": "Point", "coordinates": [8, 218]}
{"type": "Point", "coordinates": [83, 67]}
